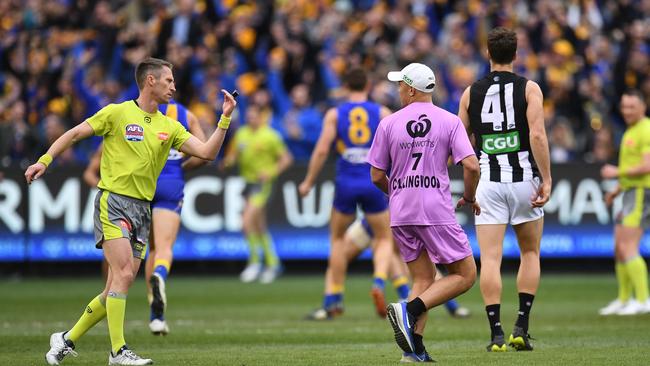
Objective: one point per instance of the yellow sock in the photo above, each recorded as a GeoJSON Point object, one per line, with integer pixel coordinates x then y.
{"type": "Point", "coordinates": [270, 257]}
{"type": "Point", "coordinates": [400, 280]}
{"type": "Point", "coordinates": [162, 262]}
{"type": "Point", "coordinates": [638, 273]}
{"type": "Point", "coordinates": [95, 311]}
{"type": "Point", "coordinates": [337, 289]}
{"type": "Point", "coordinates": [624, 283]}
{"type": "Point", "coordinates": [115, 309]}
{"type": "Point", "coordinates": [253, 248]}
{"type": "Point", "coordinates": [379, 280]}
{"type": "Point", "coordinates": [380, 275]}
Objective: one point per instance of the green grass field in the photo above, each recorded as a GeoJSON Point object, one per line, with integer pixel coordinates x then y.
{"type": "Point", "coordinates": [219, 321]}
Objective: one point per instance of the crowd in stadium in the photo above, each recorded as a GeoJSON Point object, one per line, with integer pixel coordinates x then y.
{"type": "Point", "coordinates": [61, 61]}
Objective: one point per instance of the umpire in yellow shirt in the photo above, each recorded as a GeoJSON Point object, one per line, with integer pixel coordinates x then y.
{"type": "Point", "coordinates": [262, 156]}
{"type": "Point", "coordinates": [633, 173]}
{"type": "Point", "coordinates": [137, 140]}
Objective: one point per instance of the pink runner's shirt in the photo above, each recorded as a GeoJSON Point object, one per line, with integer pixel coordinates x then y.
{"type": "Point", "coordinates": [414, 145]}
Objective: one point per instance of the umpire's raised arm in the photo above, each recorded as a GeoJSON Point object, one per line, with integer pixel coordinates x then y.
{"type": "Point", "coordinates": [208, 150]}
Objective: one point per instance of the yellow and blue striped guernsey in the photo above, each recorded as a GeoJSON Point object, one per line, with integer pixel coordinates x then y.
{"type": "Point", "coordinates": [136, 146]}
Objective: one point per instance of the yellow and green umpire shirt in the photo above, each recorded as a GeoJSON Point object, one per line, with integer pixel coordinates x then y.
{"type": "Point", "coordinates": [635, 143]}
{"type": "Point", "coordinates": [258, 151]}
{"type": "Point", "coordinates": [136, 146]}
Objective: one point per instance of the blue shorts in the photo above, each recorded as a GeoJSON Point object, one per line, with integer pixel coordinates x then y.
{"type": "Point", "coordinates": [169, 195]}
{"type": "Point", "coordinates": [348, 195]}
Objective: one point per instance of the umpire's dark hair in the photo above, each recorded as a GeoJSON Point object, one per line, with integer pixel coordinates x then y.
{"type": "Point", "coordinates": [356, 79]}
{"type": "Point", "coordinates": [635, 93]}
{"type": "Point", "coordinates": [502, 45]}
{"type": "Point", "coordinates": [148, 66]}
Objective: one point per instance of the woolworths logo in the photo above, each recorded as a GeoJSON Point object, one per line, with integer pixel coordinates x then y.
{"type": "Point", "coordinates": [501, 143]}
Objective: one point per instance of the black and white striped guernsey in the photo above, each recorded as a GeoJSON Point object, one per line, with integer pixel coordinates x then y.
{"type": "Point", "coordinates": [497, 114]}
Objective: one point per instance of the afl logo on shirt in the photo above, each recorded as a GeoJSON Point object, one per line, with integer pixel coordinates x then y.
{"type": "Point", "coordinates": [134, 132]}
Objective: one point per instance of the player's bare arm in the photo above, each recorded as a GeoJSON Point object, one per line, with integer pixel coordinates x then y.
{"type": "Point", "coordinates": [320, 153]}
{"type": "Point", "coordinates": [196, 130]}
{"type": "Point", "coordinates": [91, 173]}
{"type": "Point", "coordinates": [208, 150]}
{"type": "Point", "coordinates": [69, 138]}
{"type": "Point", "coordinates": [379, 179]}
{"type": "Point", "coordinates": [538, 141]}
{"type": "Point", "coordinates": [463, 114]}
{"type": "Point", "coordinates": [471, 175]}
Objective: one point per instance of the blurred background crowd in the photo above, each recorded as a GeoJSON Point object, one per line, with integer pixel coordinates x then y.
{"type": "Point", "coordinates": [62, 60]}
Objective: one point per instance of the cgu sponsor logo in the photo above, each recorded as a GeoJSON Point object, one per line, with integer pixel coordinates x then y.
{"type": "Point", "coordinates": [134, 132]}
{"type": "Point", "coordinates": [501, 143]}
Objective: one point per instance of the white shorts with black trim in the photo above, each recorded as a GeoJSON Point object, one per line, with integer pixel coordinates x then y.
{"type": "Point", "coordinates": [507, 203]}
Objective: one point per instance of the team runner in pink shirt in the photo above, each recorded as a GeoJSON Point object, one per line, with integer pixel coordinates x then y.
{"type": "Point", "coordinates": [414, 144]}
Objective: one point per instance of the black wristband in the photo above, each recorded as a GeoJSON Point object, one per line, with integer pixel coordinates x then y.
{"type": "Point", "coordinates": [469, 201]}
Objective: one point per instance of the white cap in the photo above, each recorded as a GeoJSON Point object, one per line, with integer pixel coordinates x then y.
{"type": "Point", "coordinates": [419, 76]}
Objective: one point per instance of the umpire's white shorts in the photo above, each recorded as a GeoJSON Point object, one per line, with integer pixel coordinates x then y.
{"type": "Point", "coordinates": [507, 203]}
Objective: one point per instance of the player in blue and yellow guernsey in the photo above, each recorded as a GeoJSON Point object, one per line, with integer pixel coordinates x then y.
{"type": "Point", "coordinates": [633, 173]}
{"type": "Point", "coordinates": [166, 216]}
{"type": "Point", "coordinates": [166, 213]}
{"type": "Point", "coordinates": [137, 141]}
{"type": "Point", "coordinates": [351, 126]}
